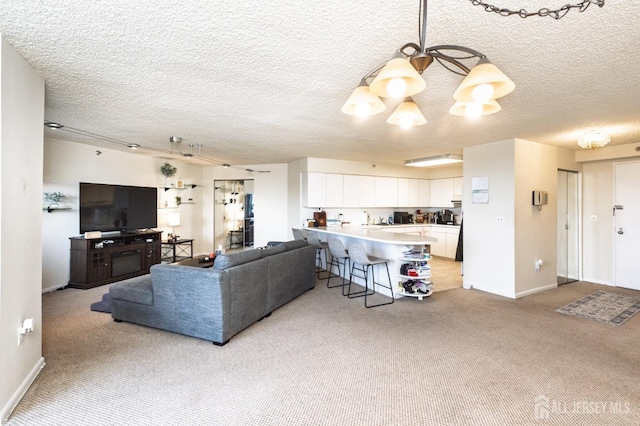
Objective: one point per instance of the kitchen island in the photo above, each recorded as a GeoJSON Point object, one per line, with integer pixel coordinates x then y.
{"type": "Point", "coordinates": [388, 245]}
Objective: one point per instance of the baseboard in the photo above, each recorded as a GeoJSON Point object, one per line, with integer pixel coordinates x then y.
{"type": "Point", "coordinates": [22, 389]}
{"type": "Point", "coordinates": [610, 284]}
{"type": "Point", "coordinates": [50, 289]}
{"type": "Point", "coordinates": [470, 285]}
{"type": "Point", "coordinates": [535, 290]}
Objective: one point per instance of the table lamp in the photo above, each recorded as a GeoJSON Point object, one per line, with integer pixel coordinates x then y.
{"type": "Point", "coordinates": [174, 220]}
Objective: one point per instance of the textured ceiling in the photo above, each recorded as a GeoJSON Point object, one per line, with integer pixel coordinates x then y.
{"type": "Point", "coordinates": [260, 82]}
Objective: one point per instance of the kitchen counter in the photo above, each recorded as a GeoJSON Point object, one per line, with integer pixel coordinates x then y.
{"type": "Point", "coordinates": [376, 233]}
{"type": "Point", "coordinates": [381, 242]}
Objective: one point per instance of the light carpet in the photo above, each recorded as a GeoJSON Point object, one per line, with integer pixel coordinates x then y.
{"type": "Point", "coordinates": [605, 307]}
{"type": "Point", "coordinates": [459, 357]}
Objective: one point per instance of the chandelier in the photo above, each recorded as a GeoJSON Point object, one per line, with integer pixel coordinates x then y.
{"type": "Point", "coordinates": [401, 78]}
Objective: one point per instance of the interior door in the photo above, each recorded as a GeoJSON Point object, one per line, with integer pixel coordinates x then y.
{"type": "Point", "coordinates": [626, 212]}
{"type": "Point", "coordinates": [568, 227]}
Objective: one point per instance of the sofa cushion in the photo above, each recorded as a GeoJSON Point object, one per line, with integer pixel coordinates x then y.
{"type": "Point", "coordinates": [136, 290]}
{"type": "Point", "coordinates": [293, 244]}
{"type": "Point", "coordinates": [269, 251]}
{"type": "Point", "coordinates": [224, 261]}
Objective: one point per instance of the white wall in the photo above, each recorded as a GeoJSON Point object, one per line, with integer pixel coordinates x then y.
{"type": "Point", "coordinates": [535, 229]}
{"type": "Point", "coordinates": [21, 151]}
{"type": "Point", "coordinates": [489, 245]}
{"type": "Point", "coordinates": [66, 164]}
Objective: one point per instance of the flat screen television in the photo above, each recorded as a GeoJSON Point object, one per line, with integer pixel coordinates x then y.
{"type": "Point", "coordinates": [108, 208]}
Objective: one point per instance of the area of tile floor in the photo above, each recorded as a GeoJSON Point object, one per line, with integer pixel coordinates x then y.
{"type": "Point", "coordinates": [445, 274]}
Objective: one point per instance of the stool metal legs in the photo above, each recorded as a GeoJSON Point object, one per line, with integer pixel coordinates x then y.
{"type": "Point", "coordinates": [364, 269]}
{"type": "Point", "coordinates": [337, 262]}
{"type": "Point", "coordinates": [319, 252]}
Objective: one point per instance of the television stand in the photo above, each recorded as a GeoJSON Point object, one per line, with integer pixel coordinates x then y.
{"type": "Point", "coordinates": [119, 256]}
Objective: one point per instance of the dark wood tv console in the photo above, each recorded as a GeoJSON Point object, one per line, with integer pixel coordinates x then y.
{"type": "Point", "coordinates": [113, 257]}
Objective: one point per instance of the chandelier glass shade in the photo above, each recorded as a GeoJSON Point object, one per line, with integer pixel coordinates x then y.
{"type": "Point", "coordinates": [363, 103]}
{"type": "Point", "coordinates": [401, 77]}
{"type": "Point", "coordinates": [593, 139]}
{"type": "Point", "coordinates": [407, 115]}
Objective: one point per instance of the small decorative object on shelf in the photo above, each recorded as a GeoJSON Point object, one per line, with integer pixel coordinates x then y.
{"type": "Point", "coordinates": [180, 183]}
{"type": "Point", "coordinates": [178, 200]}
{"type": "Point", "coordinates": [168, 171]}
{"type": "Point", "coordinates": [54, 199]}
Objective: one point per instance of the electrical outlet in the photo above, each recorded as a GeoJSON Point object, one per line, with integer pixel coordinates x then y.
{"type": "Point", "coordinates": [500, 219]}
{"type": "Point", "coordinates": [594, 218]}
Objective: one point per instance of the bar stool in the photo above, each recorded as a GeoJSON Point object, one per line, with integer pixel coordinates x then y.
{"type": "Point", "coordinates": [362, 262]}
{"type": "Point", "coordinates": [321, 247]}
{"type": "Point", "coordinates": [339, 257]}
{"type": "Point", "coordinates": [298, 234]}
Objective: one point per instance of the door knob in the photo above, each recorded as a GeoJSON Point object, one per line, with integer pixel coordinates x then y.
{"type": "Point", "coordinates": [620, 231]}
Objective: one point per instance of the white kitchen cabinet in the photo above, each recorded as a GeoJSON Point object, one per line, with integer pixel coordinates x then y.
{"type": "Point", "coordinates": [314, 189]}
{"type": "Point", "coordinates": [386, 191]}
{"type": "Point", "coordinates": [436, 193]}
{"type": "Point", "coordinates": [414, 193]}
{"type": "Point", "coordinates": [451, 245]}
{"type": "Point", "coordinates": [457, 188]}
{"type": "Point", "coordinates": [403, 193]}
{"type": "Point", "coordinates": [392, 192]}
{"type": "Point", "coordinates": [439, 248]}
{"type": "Point", "coordinates": [424, 194]}
{"type": "Point", "coordinates": [367, 191]}
{"type": "Point", "coordinates": [447, 192]}
{"type": "Point", "coordinates": [441, 193]}
{"type": "Point", "coordinates": [351, 190]}
{"type": "Point", "coordinates": [335, 190]}
{"type": "Point", "coordinates": [447, 241]}
{"type": "Point", "coordinates": [359, 191]}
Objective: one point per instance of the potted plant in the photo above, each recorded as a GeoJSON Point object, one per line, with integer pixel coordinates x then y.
{"type": "Point", "coordinates": [168, 171]}
{"type": "Point", "coordinates": [53, 198]}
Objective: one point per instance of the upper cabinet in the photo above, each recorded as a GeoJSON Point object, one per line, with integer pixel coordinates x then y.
{"type": "Point", "coordinates": [443, 193]}
{"type": "Point", "coordinates": [457, 189]}
{"type": "Point", "coordinates": [386, 191]}
{"type": "Point", "coordinates": [335, 190]}
{"type": "Point", "coordinates": [313, 189]}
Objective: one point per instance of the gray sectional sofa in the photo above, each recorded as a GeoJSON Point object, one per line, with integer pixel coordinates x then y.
{"type": "Point", "coordinates": [216, 303]}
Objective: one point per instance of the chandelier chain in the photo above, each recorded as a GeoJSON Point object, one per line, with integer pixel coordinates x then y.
{"type": "Point", "coordinates": [555, 13]}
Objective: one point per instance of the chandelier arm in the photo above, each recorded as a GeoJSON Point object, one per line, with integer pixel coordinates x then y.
{"type": "Point", "coordinates": [472, 52]}
{"type": "Point", "coordinates": [448, 67]}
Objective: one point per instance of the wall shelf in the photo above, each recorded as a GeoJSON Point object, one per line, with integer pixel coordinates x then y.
{"type": "Point", "coordinates": [52, 209]}
{"type": "Point", "coordinates": [186, 186]}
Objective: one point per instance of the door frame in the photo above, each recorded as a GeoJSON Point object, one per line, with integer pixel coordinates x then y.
{"type": "Point", "coordinates": [579, 224]}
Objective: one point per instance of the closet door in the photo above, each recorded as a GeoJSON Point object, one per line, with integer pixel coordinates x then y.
{"type": "Point", "coordinates": [568, 231]}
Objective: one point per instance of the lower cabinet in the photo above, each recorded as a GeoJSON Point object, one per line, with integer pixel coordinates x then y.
{"type": "Point", "coordinates": [447, 241]}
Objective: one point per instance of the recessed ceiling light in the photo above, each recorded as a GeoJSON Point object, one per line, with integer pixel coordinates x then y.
{"type": "Point", "coordinates": [133, 145]}
{"type": "Point", "coordinates": [52, 125]}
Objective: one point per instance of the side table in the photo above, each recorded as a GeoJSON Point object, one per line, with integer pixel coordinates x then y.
{"type": "Point", "coordinates": [174, 250]}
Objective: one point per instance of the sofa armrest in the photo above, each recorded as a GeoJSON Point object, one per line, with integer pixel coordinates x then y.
{"type": "Point", "coordinates": [191, 300]}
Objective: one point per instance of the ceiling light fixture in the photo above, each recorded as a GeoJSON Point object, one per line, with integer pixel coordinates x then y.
{"type": "Point", "coordinates": [593, 139]}
{"type": "Point", "coordinates": [401, 77]}
{"type": "Point", "coordinates": [189, 154]}
{"type": "Point", "coordinates": [438, 160]}
{"type": "Point", "coordinates": [133, 145]}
